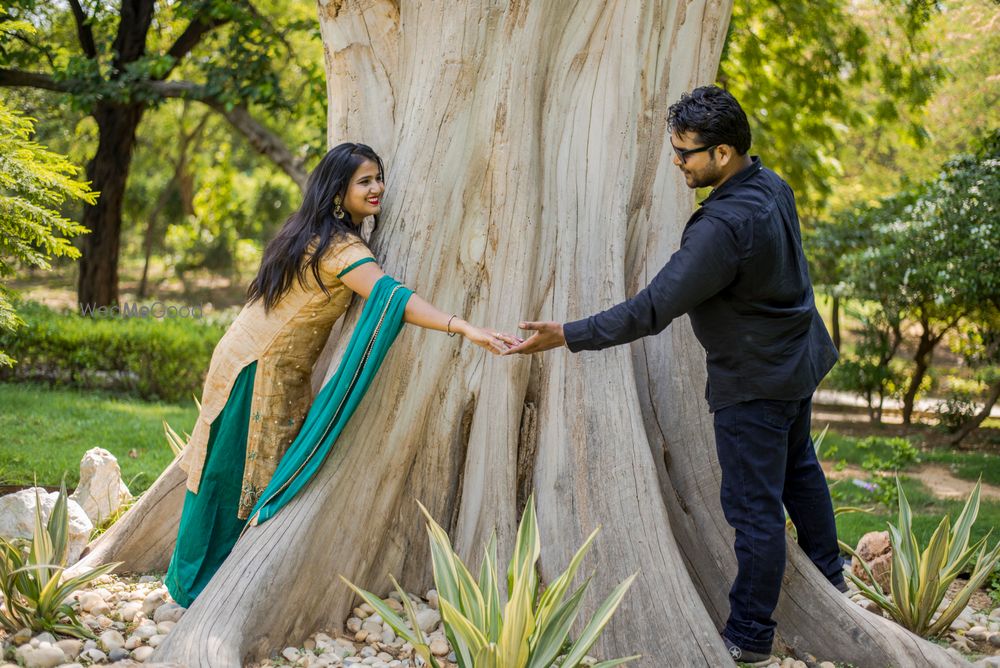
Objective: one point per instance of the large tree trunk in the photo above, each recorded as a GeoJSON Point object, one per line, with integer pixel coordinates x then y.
{"type": "Point", "coordinates": [97, 284]}
{"type": "Point", "coordinates": [530, 177]}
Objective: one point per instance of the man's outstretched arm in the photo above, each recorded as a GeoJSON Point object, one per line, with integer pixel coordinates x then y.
{"type": "Point", "coordinates": [705, 264]}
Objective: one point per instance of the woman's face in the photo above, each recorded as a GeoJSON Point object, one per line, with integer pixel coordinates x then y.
{"type": "Point", "coordinates": [364, 192]}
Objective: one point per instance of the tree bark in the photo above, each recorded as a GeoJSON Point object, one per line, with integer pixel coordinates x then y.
{"type": "Point", "coordinates": [143, 538]}
{"type": "Point", "coordinates": [530, 177]}
{"type": "Point", "coordinates": [97, 283]}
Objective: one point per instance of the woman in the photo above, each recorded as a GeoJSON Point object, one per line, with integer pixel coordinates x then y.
{"type": "Point", "coordinates": [257, 396]}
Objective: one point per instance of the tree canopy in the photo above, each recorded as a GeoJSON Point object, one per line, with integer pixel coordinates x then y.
{"type": "Point", "coordinates": [35, 184]}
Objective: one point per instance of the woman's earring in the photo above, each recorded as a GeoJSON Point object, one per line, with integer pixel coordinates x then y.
{"type": "Point", "coordinates": [338, 213]}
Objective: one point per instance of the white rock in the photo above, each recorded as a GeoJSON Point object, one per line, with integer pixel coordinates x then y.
{"type": "Point", "coordinates": [111, 639]}
{"type": "Point", "coordinates": [432, 598]}
{"type": "Point", "coordinates": [168, 612]}
{"type": "Point", "coordinates": [93, 655]}
{"type": "Point", "coordinates": [388, 635]}
{"type": "Point", "coordinates": [960, 625]}
{"type": "Point", "coordinates": [130, 610]}
{"type": "Point", "coordinates": [44, 657]}
{"type": "Point", "coordinates": [46, 637]}
{"type": "Point", "coordinates": [372, 627]}
{"type": "Point", "coordinates": [101, 491]}
{"type": "Point", "coordinates": [132, 642]}
{"type": "Point", "coordinates": [156, 640]}
{"type": "Point", "coordinates": [17, 518]}
{"type": "Point", "coordinates": [165, 627]}
{"type": "Point", "coordinates": [142, 654]}
{"type": "Point", "coordinates": [439, 647]}
{"type": "Point", "coordinates": [427, 619]}
{"type": "Point", "coordinates": [976, 633]}
{"type": "Point", "coordinates": [154, 600]}
{"type": "Point", "coordinates": [290, 654]}
{"type": "Point", "coordinates": [353, 624]}
{"type": "Point", "coordinates": [145, 631]}
{"type": "Point", "coordinates": [71, 647]}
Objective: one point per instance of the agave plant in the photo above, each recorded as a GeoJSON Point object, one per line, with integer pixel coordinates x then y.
{"type": "Point", "coordinates": [530, 631]}
{"type": "Point", "coordinates": [920, 579]}
{"type": "Point", "coordinates": [34, 594]}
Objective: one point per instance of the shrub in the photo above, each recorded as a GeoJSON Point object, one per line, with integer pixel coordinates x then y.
{"type": "Point", "coordinates": [920, 578]}
{"type": "Point", "coordinates": [34, 594]}
{"type": "Point", "coordinates": [532, 630]}
{"type": "Point", "coordinates": [153, 358]}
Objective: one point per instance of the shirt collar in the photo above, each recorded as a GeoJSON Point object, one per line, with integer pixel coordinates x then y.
{"type": "Point", "coordinates": [737, 178]}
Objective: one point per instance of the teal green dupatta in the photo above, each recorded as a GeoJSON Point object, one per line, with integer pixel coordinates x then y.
{"type": "Point", "coordinates": [380, 323]}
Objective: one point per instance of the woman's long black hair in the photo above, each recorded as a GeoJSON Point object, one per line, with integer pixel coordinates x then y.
{"type": "Point", "coordinates": [282, 262]}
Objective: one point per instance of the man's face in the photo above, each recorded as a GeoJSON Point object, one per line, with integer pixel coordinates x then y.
{"type": "Point", "coordinates": [700, 169]}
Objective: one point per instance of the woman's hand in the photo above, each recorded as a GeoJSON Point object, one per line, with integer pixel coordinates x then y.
{"type": "Point", "coordinates": [495, 342]}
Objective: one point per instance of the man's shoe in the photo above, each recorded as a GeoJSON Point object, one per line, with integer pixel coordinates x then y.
{"type": "Point", "coordinates": [743, 655]}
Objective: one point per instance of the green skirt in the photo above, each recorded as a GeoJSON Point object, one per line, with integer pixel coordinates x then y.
{"type": "Point", "coordinates": [209, 524]}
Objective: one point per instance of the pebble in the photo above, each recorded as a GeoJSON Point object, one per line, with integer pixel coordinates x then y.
{"type": "Point", "coordinates": [119, 654]}
{"type": "Point", "coordinates": [961, 645]}
{"type": "Point", "coordinates": [46, 638]}
{"type": "Point", "coordinates": [93, 655]}
{"type": "Point", "coordinates": [111, 640]}
{"type": "Point", "coordinates": [48, 656]}
{"type": "Point", "coordinates": [168, 612]}
{"type": "Point", "coordinates": [71, 647]}
{"type": "Point", "coordinates": [21, 637]}
{"type": "Point", "coordinates": [154, 600]}
{"type": "Point", "coordinates": [439, 647]}
{"type": "Point", "coordinates": [994, 639]}
{"type": "Point", "coordinates": [976, 633]}
{"type": "Point", "coordinates": [427, 619]}
{"type": "Point", "coordinates": [142, 654]}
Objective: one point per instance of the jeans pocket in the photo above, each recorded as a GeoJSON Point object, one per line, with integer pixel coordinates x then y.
{"type": "Point", "coordinates": [776, 413]}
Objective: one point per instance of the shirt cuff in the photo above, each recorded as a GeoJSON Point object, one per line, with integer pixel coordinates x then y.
{"type": "Point", "coordinates": [577, 335]}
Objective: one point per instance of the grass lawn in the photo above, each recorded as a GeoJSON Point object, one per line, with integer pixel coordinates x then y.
{"type": "Point", "coordinates": [927, 513]}
{"type": "Point", "coordinates": [963, 464]}
{"type": "Point", "coordinates": [927, 509]}
{"type": "Point", "coordinates": [44, 433]}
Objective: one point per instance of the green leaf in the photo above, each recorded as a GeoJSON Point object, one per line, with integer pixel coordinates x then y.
{"type": "Point", "coordinates": [593, 629]}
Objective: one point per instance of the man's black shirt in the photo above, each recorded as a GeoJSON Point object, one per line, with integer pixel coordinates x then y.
{"type": "Point", "coordinates": [741, 275]}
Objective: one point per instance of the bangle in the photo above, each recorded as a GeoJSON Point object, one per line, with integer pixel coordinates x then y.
{"type": "Point", "coordinates": [448, 327]}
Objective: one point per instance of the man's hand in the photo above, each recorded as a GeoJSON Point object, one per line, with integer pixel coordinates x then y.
{"type": "Point", "coordinates": [547, 335]}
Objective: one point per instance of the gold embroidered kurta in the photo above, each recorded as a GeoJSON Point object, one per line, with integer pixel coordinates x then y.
{"type": "Point", "coordinates": [285, 343]}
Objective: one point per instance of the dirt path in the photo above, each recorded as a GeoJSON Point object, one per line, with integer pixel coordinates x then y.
{"type": "Point", "coordinates": [936, 477]}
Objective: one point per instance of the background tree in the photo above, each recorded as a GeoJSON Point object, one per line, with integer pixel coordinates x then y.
{"type": "Point", "coordinates": [116, 63]}
{"type": "Point", "coordinates": [35, 184]}
{"type": "Point", "coordinates": [530, 176]}
{"type": "Point", "coordinates": [798, 69]}
{"type": "Point", "coordinates": [931, 260]}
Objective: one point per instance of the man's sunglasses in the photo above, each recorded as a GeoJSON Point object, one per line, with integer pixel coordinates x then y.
{"type": "Point", "coordinates": [683, 153]}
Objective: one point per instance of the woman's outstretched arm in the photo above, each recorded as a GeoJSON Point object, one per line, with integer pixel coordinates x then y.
{"type": "Point", "coordinates": [421, 313]}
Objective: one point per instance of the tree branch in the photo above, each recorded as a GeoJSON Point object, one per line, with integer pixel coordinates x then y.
{"type": "Point", "coordinates": [261, 138]}
{"type": "Point", "coordinates": [83, 30]}
{"type": "Point", "coordinates": [19, 78]}
{"type": "Point", "coordinates": [190, 38]}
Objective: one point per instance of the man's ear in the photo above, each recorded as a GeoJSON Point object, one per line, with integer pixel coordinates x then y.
{"type": "Point", "coordinates": [723, 154]}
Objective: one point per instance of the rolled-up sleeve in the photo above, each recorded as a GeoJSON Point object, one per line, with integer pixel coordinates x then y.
{"type": "Point", "coordinates": [706, 262]}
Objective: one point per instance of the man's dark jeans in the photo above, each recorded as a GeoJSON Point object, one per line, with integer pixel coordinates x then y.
{"type": "Point", "coordinates": [767, 459]}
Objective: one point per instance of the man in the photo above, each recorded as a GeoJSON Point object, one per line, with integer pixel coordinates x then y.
{"type": "Point", "coordinates": [741, 275]}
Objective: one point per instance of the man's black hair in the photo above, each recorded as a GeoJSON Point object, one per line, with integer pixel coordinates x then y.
{"type": "Point", "coordinates": [714, 115]}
